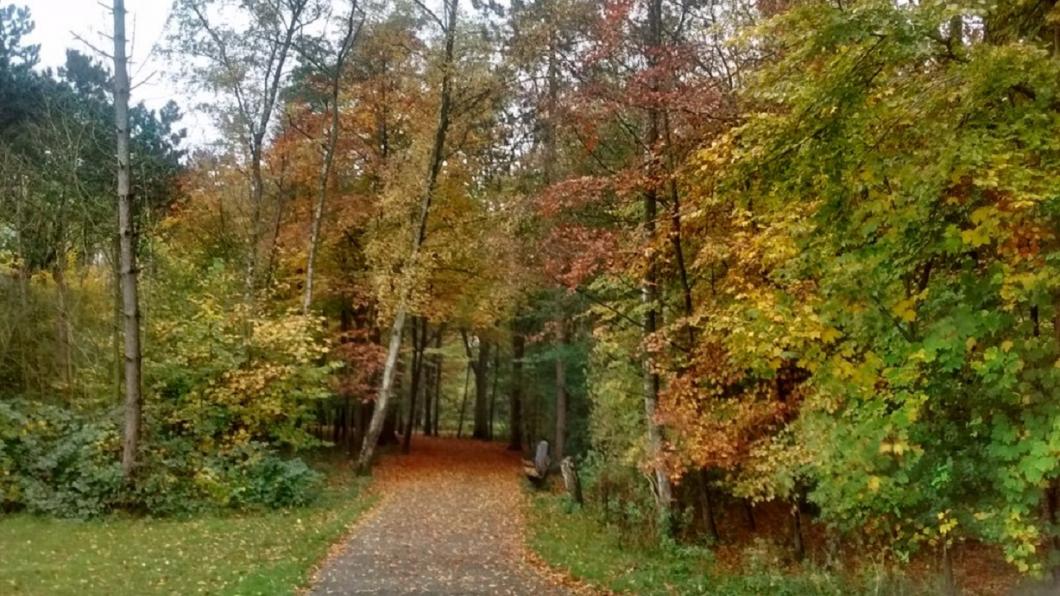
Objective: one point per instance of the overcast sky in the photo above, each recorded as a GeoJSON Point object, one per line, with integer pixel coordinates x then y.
{"type": "Point", "coordinates": [58, 20]}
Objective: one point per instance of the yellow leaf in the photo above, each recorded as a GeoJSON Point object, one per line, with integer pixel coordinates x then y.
{"type": "Point", "coordinates": [906, 310]}
{"type": "Point", "coordinates": [874, 483]}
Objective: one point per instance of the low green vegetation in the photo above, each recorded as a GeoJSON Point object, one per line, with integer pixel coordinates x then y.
{"type": "Point", "coordinates": [576, 541]}
{"type": "Point", "coordinates": [263, 552]}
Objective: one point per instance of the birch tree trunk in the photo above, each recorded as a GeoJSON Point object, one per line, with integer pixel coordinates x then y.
{"type": "Point", "coordinates": [375, 427]}
{"type": "Point", "coordinates": [130, 302]}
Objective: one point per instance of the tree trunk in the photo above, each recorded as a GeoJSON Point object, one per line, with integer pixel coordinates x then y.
{"type": "Point", "coordinates": [437, 384]}
{"type": "Point", "coordinates": [949, 584]}
{"type": "Point", "coordinates": [405, 288]}
{"type": "Point", "coordinates": [493, 391]}
{"type": "Point", "coordinates": [23, 290]}
{"type": "Point", "coordinates": [479, 365]}
{"type": "Point", "coordinates": [116, 334]}
{"type": "Point", "coordinates": [129, 291]}
{"type": "Point", "coordinates": [650, 299]}
{"type": "Point", "coordinates": [388, 434]}
{"type": "Point", "coordinates": [481, 370]}
{"type": "Point", "coordinates": [797, 545]}
{"type": "Point", "coordinates": [560, 444]}
{"type": "Point", "coordinates": [515, 408]}
{"type": "Point", "coordinates": [749, 515]}
{"type": "Point", "coordinates": [256, 119]}
{"type": "Point", "coordinates": [63, 330]}
{"type": "Point", "coordinates": [549, 128]}
{"type": "Point", "coordinates": [419, 343]}
{"type": "Point", "coordinates": [1052, 517]}
{"type": "Point", "coordinates": [329, 154]}
{"type": "Point", "coordinates": [437, 398]}
{"type": "Point", "coordinates": [706, 505]}
{"type": "Point", "coordinates": [463, 402]}
{"type": "Point", "coordinates": [428, 401]}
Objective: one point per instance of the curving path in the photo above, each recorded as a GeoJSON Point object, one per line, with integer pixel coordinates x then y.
{"type": "Point", "coordinates": [449, 522]}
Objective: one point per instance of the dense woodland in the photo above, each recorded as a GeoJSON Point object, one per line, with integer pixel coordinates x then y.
{"type": "Point", "coordinates": [726, 254]}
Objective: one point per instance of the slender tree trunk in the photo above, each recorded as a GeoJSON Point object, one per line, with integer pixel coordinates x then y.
{"type": "Point", "coordinates": [675, 233]}
{"type": "Point", "coordinates": [282, 195]}
{"type": "Point", "coordinates": [463, 402]}
{"type": "Point", "coordinates": [1052, 516]}
{"type": "Point", "coordinates": [116, 332]}
{"type": "Point", "coordinates": [949, 584]}
{"type": "Point", "coordinates": [706, 505]}
{"type": "Point", "coordinates": [336, 424]}
{"type": "Point", "coordinates": [405, 288]}
{"type": "Point", "coordinates": [257, 193]}
{"type": "Point", "coordinates": [347, 418]}
{"type": "Point", "coordinates": [63, 329]}
{"type": "Point", "coordinates": [796, 531]}
{"type": "Point", "coordinates": [559, 446]}
{"type": "Point", "coordinates": [515, 409]}
{"type": "Point", "coordinates": [388, 434]}
{"type": "Point", "coordinates": [437, 391]}
{"type": "Point", "coordinates": [549, 128]}
{"type": "Point", "coordinates": [435, 375]}
{"type": "Point", "coordinates": [358, 426]}
{"type": "Point", "coordinates": [419, 342]}
{"type": "Point", "coordinates": [317, 223]}
{"type": "Point", "coordinates": [650, 298]}
{"type": "Point", "coordinates": [493, 391]}
{"type": "Point", "coordinates": [129, 290]}
{"type": "Point", "coordinates": [428, 399]}
{"type": "Point", "coordinates": [481, 370]}
{"type": "Point", "coordinates": [749, 515]}
{"type": "Point", "coordinates": [23, 283]}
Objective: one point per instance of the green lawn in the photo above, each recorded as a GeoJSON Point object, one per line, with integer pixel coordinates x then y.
{"type": "Point", "coordinates": [252, 553]}
{"type": "Point", "coordinates": [589, 551]}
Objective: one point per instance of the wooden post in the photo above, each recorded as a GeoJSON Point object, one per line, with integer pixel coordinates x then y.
{"type": "Point", "coordinates": [570, 479]}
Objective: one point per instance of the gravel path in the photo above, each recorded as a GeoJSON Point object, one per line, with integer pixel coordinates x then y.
{"type": "Point", "coordinates": [449, 522]}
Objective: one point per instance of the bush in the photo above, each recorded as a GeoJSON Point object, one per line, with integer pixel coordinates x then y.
{"type": "Point", "coordinates": [54, 462]}
{"type": "Point", "coordinates": [57, 462]}
{"type": "Point", "coordinates": [274, 482]}
{"type": "Point", "coordinates": [176, 478]}
{"type": "Point", "coordinates": [621, 496]}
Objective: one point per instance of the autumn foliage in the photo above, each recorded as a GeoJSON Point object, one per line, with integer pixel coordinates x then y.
{"type": "Point", "coordinates": [796, 256]}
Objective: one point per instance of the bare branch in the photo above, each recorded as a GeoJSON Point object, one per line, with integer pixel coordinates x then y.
{"type": "Point", "coordinates": [431, 14]}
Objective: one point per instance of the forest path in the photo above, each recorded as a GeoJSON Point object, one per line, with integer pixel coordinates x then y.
{"type": "Point", "coordinates": [449, 522]}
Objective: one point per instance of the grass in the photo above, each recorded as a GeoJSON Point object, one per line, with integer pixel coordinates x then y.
{"type": "Point", "coordinates": [253, 553]}
{"type": "Point", "coordinates": [592, 553]}
{"type": "Point", "coordinates": [589, 551]}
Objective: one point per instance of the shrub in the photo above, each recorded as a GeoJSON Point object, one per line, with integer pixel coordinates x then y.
{"type": "Point", "coordinates": [620, 495]}
{"type": "Point", "coordinates": [57, 462]}
{"type": "Point", "coordinates": [274, 482]}
{"type": "Point", "coordinates": [177, 478]}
